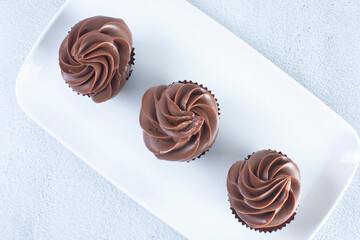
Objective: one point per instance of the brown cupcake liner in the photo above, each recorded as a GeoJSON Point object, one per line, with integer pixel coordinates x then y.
{"type": "Point", "coordinates": [202, 154]}
{"type": "Point", "coordinates": [209, 91]}
{"type": "Point", "coordinates": [264, 230]}
{"type": "Point", "coordinates": [131, 62]}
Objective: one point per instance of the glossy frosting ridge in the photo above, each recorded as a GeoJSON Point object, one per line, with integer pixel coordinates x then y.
{"type": "Point", "coordinates": [95, 57]}
{"type": "Point", "coordinates": [179, 121]}
{"type": "Point", "coordinates": [264, 190]}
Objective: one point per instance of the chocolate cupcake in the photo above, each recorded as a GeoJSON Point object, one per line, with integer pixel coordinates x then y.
{"type": "Point", "coordinates": [95, 57]}
{"type": "Point", "coordinates": [180, 121]}
{"type": "Point", "coordinates": [264, 190]}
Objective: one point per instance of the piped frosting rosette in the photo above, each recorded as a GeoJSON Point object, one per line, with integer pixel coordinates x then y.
{"type": "Point", "coordinates": [180, 121]}
{"type": "Point", "coordinates": [264, 190]}
{"type": "Point", "coordinates": [95, 57]}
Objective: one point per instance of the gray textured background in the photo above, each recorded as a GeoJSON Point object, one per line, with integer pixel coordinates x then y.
{"type": "Point", "coordinates": [48, 193]}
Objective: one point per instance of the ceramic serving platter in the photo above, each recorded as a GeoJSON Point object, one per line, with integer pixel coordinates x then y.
{"type": "Point", "coordinates": [261, 108]}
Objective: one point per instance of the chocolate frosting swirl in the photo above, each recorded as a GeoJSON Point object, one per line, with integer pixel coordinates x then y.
{"type": "Point", "coordinates": [264, 190]}
{"type": "Point", "coordinates": [94, 57]}
{"type": "Point", "coordinates": [179, 121]}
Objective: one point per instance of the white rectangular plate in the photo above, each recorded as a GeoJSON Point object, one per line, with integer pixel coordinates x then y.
{"type": "Point", "coordinates": [261, 107]}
